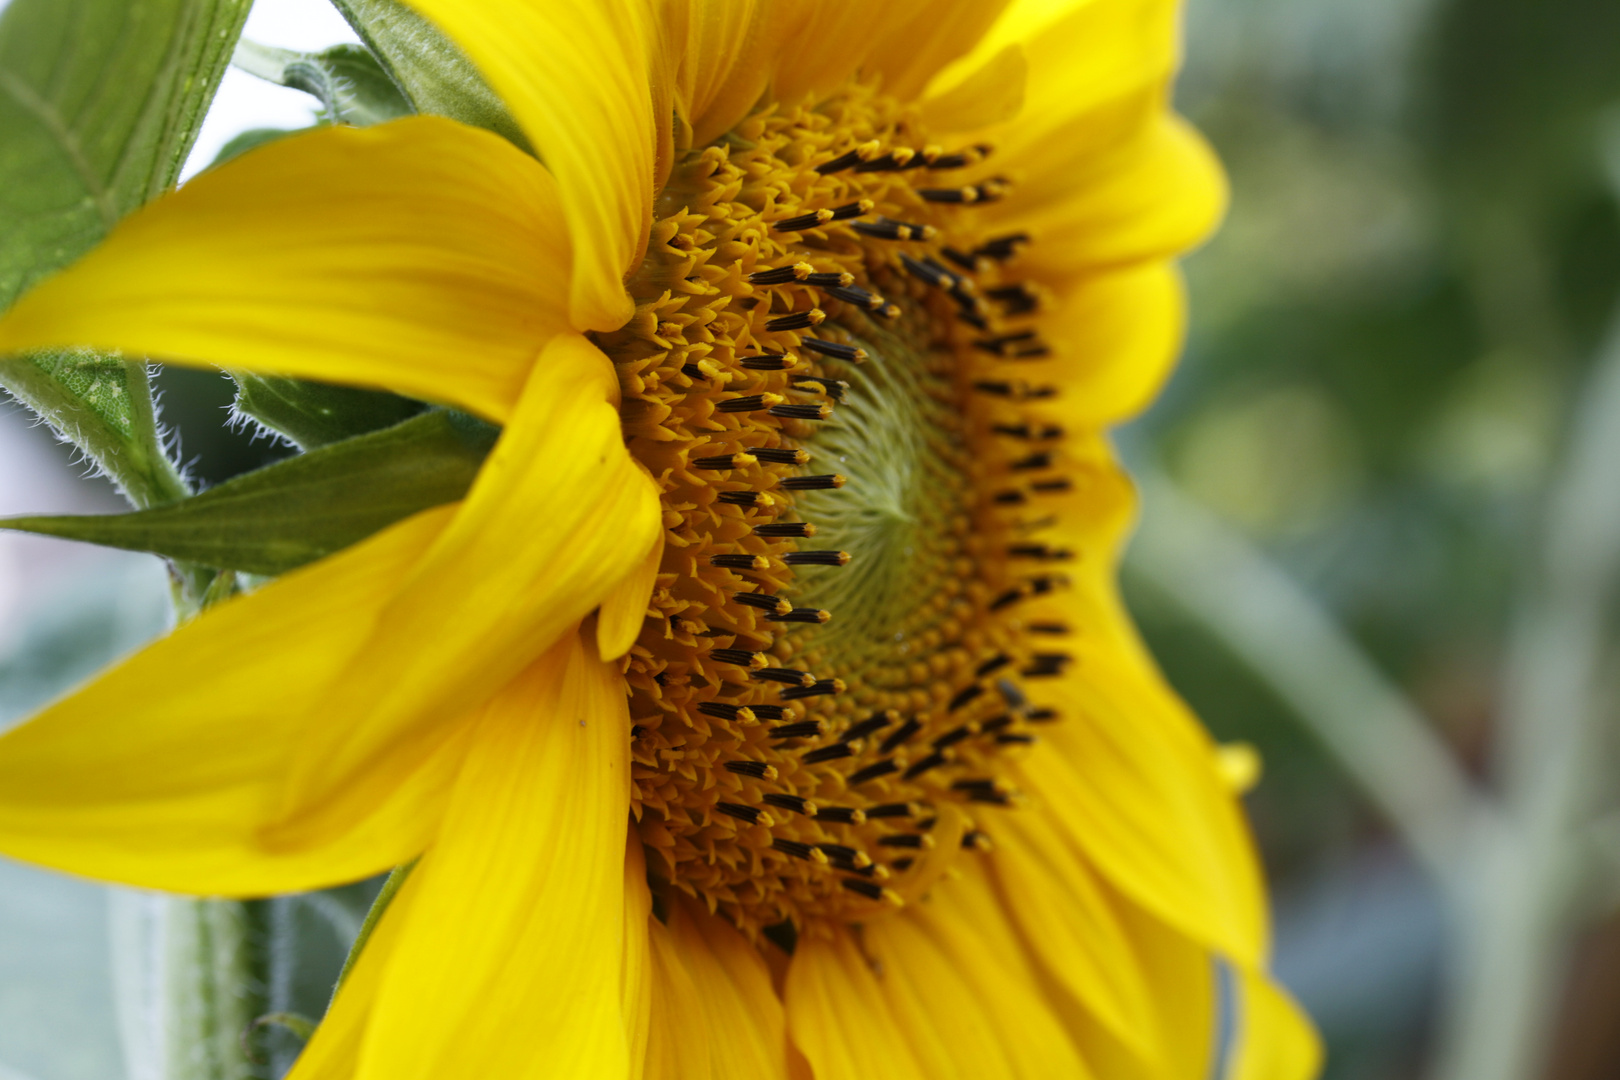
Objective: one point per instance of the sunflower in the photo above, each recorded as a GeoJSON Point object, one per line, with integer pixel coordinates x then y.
{"type": "Point", "coordinates": [766, 708]}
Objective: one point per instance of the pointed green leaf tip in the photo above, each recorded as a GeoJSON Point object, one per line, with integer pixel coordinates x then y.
{"type": "Point", "coordinates": [302, 509]}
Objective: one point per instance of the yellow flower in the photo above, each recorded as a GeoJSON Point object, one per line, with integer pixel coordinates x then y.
{"type": "Point", "coordinates": [960, 828]}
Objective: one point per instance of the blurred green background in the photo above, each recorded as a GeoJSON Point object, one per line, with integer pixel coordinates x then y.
{"type": "Point", "coordinates": [1388, 339]}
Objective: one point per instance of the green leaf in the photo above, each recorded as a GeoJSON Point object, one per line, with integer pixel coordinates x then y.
{"type": "Point", "coordinates": [100, 102]}
{"type": "Point", "coordinates": [251, 139]}
{"type": "Point", "coordinates": [347, 79]}
{"type": "Point", "coordinates": [314, 414]}
{"type": "Point", "coordinates": [434, 73]}
{"type": "Point", "coordinates": [299, 510]}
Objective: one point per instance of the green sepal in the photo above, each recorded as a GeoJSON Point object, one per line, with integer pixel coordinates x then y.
{"type": "Point", "coordinates": [251, 139]}
{"type": "Point", "coordinates": [313, 414]}
{"type": "Point", "coordinates": [350, 84]}
{"type": "Point", "coordinates": [435, 74]}
{"type": "Point", "coordinates": [296, 511]}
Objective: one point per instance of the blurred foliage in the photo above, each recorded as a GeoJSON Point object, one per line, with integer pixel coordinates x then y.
{"type": "Point", "coordinates": [1421, 255]}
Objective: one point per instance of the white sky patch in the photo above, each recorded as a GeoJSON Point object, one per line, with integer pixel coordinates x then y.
{"type": "Point", "coordinates": [245, 102]}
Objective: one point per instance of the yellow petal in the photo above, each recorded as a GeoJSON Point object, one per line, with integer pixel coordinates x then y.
{"type": "Point", "coordinates": [421, 256]}
{"type": "Point", "coordinates": [733, 985]}
{"type": "Point", "coordinates": [725, 50]}
{"type": "Point", "coordinates": [558, 516]}
{"type": "Point", "coordinates": [333, 1053]}
{"type": "Point", "coordinates": [1115, 337]}
{"type": "Point", "coordinates": [511, 961]}
{"type": "Point", "coordinates": [577, 75]}
{"type": "Point", "coordinates": [913, 49]}
{"type": "Point", "coordinates": [1070, 930]}
{"type": "Point", "coordinates": [625, 609]}
{"type": "Point", "coordinates": [1275, 1039]}
{"type": "Point", "coordinates": [164, 771]}
{"type": "Point", "coordinates": [990, 95]}
{"type": "Point", "coordinates": [679, 1044]}
{"type": "Point", "coordinates": [824, 42]}
{"type": "Point", "coordinates": [636, 983]}
{"type": "Point", "coordinates": [837, 1014]}
{"type": "Point", "coordinates": [966, 926]}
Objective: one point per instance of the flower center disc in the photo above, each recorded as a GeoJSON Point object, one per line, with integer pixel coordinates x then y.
{"type": "Point", "coordinates": [835, 678]}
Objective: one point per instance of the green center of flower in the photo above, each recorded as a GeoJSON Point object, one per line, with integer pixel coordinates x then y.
{"type": "Point", "coordinates": [834, 673]}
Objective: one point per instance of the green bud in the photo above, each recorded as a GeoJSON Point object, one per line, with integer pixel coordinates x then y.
{"type": "Point", "coordinates": [296, 511]}
{"type": "Point", "coordinates": [435, 74]}
{"type": "Point", "coordinates": [351, 85]}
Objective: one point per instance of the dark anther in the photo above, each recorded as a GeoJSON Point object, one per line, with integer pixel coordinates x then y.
{"type": "Point", "coordinates": [876, 722]}
{"type": "Point", "coordinates": [1010, 497]}
{"type": "Point", "coordinates": [1040, 460]}
{"type": "Point", "coordinates": [692, 371]}
{"type": "Point", "coordinates": [1001, 388]}
{"type": "Point", "coordinates": [974, 319]}
{"type": "Point", "coordinates": [768, 362]}
{"type": "Point", "coordinates": [964, 696]}
{"type": "Point", "coordinates": [781, 457]}
{"type": "Point", "coordinates": [811, 384]}
{"type": "Point", "coordinates": [1009, 739]}
{"type": "Point", "coordinates": [783, 675]}
{"type": "Point", "coordinates": [841, 815]}
{"type": "Point", "coordinates": [816, 558]}
{"type": "Point", "coordinates": [1041, 716]}
{"type": "Point", "coordinates": [811, 220]}
{"type": "Point", "coordinates": [1046, 664]}
{"type": "Point", "coordinates": [962, 259]}
{"type": "Point", "coordinates": [763, 601]}
{"type": "Point", "coordinates": [869, 889]}
{"type": "Point", "coordinates": [847, 159]}
{"type": "Point", "coordinates": [813, 483]}
{"type": "Point", "coordinates": [1032, 352]}
{"type": "Point", "coordinates": [835, 349]}
{"type": "Point", "coordinates": [1003, 247]}
{"type": "Point", "coordinates": [854, 294]}
{"type": "Point", "coordinates": [821, 688]}
{"type": "Point", "coordinates": [803, 729]}
{"type": "Point", "coordinates": [1047, 628]}
{"type": "Point", "coordinates": [902, 865]}
{"type": "Point", "coordinates": [1042, 552]}
{"type": "Point", "coordinates": [759, 770]}
{"type": "Point", "coordinates": [905, 840]}
{"type": "Point", "coordinates": [803, 615]}
{"type": "Point", "coordinates": [854, 209]}
{"type": "Point", "coordinates": [895, 160]}
{"type": "Point", "coordinates": [893, 809]}
{"type": "Point", "coordinates": [737, 810]}
{"type": "Point", "coordinates": [956, 735]}
{"type": "Point", "coordinates": [828, 280]}
{"type": "Point", "coordinates": [738, 657]}
{"type": "Point", "coordinates": [769, 712]}
{"type": "Point", "coordinates": [929, 272]}
{"type": "Point", "coordinates": [1061, 483]}
{"type": "Point", "coordinates": [799, 320]}
{"type": "Point", "coordinates": [740, 714]}
{"type": "Point", "coordinates": [798, 850]}
{"type": "Point", "coordinates": [1017, 299]}
{"type": "Point", "coordinates": [739, 498]}
{"type": "Point", "coordinates": [1002, 344]}
{"type": "Point", "coordinates": [637, 731]}
{"type": "Point", "coordinates": [748, 403]}
{"type": "Point", "coordinates": [889, 229]}
{"type": "Point", "coordinates": [1007, 599]}
{"type": "Point", "coordinates": [899, 735]}
{"type": "Point", "coordinates": [1040, 586]}
{"type": "Point", "coordinates": [819, 411]}
{"type": "Point", "coordinates": [1011, 694]}
{"type": "Point", "coordinates": [740, 562]}
{"type": "Point", "coordinates": [996, 724]}
{"type": "Point", "coordinates": [967, 194]}
{"type": "Point", "coordinates": [723, 461]}
{"type": "Point", "coordinates": [977, 785]}
{"type": "Point", "coordinates": [781, 275]}
{"type": "Point", "coordinates": [950, 161]}
{"type": "Point", "coordinates": [793, 803]}
{"type": "Point", "coordinates": [974, 840]}
{"type": "Point", "coordinates": [872, 772]}
{"type": "Point", "coordinates": [800, 529]}
{"type": "Point", "coordinates": [995, 663]}
{"type": "Point", "coordinates": [1045, 433]}
{"type": "Point", "coordinates": [932, 761]}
